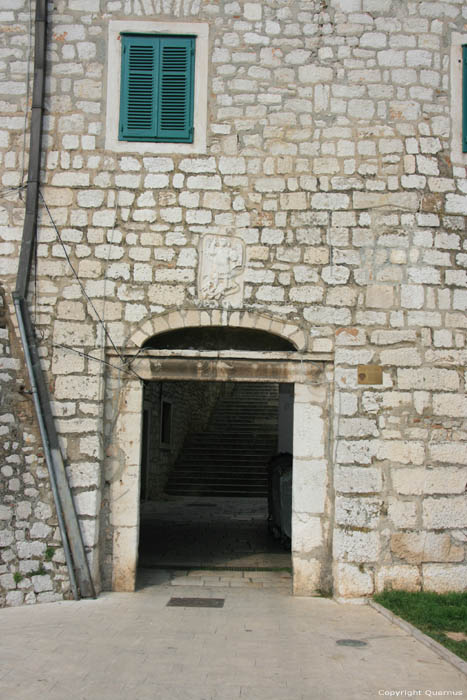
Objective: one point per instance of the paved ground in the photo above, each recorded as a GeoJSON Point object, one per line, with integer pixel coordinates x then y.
{"type": "Point", "coordinates": [202, 531]}
{"type": "Point", "coordinates": [262, 645]}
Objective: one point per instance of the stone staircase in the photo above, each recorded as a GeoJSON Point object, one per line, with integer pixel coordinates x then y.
{"type": "Point", "coordinates": [230, 458]}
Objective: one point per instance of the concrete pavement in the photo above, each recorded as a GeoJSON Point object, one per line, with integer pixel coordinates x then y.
{"type": "Point", "coordinates": [262, 645]}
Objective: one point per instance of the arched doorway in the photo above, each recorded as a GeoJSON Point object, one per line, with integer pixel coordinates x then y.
{"type": "Point", "coordinates": [307, 372]}
{"type": "Point", "coordinates": [214, 492]}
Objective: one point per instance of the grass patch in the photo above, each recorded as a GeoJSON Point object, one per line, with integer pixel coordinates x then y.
{"type": "Point", "coordinates": [49, 552]}
{"type": "Point", "coordinates": [433, 613]}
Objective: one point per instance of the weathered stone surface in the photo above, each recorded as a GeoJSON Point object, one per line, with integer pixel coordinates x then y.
{"type": "Point", "coordinates": [441, 578]}
{"type": "Point", "coordinates": [418, 547]}
{"type": "Point", "coordinates": [351, 582]}
{"type": "Point", "coordinates": [398, 578]}
{"type": "Point", "coordinates": [355, 546]}
{"type": "Point", "coordinates": [306, 576]}
{"type": "Point", "coordinates": [445, 512]}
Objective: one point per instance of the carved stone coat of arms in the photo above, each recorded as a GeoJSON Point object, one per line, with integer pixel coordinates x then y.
{"type": "Point", "coordinates": [221, 269]}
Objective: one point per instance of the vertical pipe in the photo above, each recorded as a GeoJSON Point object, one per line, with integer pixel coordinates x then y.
{"type": "Point", "coordinates": [48, 455]}
{"type": "Point", "coordinates": [71, 534]}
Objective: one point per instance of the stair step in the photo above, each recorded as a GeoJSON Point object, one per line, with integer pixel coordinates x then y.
{"type": "Point", "coordinates": [222, 464]}
{"type": "Point", "coordinates": [217, 492]}
{"type": "Point", "coordinates": [230, 458]}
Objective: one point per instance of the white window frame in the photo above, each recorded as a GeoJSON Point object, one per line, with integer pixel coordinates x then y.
{"type": "Point", "coordinates": [198, 29]}
{"type": "Point", "coordinates": [458, 157]}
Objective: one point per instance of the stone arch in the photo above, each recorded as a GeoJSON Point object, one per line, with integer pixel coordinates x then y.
{"type": "Point", "coordinates": [174, 320]}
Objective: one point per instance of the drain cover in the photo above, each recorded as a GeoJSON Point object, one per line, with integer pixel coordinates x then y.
{"type": "Point", "coordinates": [351, 643]}
{"type": "Point", "coordinates": [196, 602]}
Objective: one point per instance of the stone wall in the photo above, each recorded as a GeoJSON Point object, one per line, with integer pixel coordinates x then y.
{"type": "Point", "coordinates": [332, 171]}
{"type": "Point", "coordinates": [192, 403]}
{"type": "Point", "coordinates": [32, 563]}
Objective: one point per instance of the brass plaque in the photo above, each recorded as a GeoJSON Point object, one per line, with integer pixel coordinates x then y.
{"type": "Point", "coordinates": [370, 374]}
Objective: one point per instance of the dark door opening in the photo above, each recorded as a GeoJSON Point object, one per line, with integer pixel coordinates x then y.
{"type": "Point", "coordinates": [205, 497]}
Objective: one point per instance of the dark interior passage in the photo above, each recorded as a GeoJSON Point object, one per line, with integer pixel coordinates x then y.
{"type": "Point", "coordinates": [205, 474]}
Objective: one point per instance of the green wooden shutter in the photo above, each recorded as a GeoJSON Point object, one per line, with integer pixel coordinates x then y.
{"type": "Point", "coordinates": [464, 98]}
{"type": "Point", "coordinates": [138, 88]}
{"type": "Point", "coordinates": [175, 89]}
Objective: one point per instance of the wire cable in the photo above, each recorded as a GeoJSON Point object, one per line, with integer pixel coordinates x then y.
{"type": "Point", "coordinates": [13, 189]}
{"type": "Point", "coordinates": [100, 320]}
{"type": "Point", "coordinates": [91, 357]}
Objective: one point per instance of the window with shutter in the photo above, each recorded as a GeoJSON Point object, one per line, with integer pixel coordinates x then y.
{"type": "Point", "coordinates": [464, 98]}
{"type": "Point", "coordinates": [157, 85]}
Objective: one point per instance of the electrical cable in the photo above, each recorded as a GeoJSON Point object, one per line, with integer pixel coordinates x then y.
{"type": "Point", "coordinates": [90, 357]}
{"type": "Point", "coordinates": [13, 189]}
{"type": "Point", "coordinates": [57, 232]}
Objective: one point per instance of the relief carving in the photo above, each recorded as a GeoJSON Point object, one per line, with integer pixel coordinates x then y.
{"type": "Point", "coordinates": [221, 269]}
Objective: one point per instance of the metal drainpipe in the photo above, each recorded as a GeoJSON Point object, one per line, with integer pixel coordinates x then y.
{"type": "Point", "coordinates": [75, 554]}
{"type": "Point", "coordinates": [48, 455]}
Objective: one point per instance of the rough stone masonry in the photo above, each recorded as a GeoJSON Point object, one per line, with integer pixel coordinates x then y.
{"type": "Point", "coordinates": [327, 183]}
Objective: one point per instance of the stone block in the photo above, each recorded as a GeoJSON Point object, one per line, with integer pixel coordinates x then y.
{"type": "Point", "coordinates": [87, 502]}
{"type": "Point", "coordinates": [6, 513]}
{"type": "Point", "coordinates": [358, 479]}
{"type": "Point", "coordinates": [204, 182]}
{"type": "Point", "coordinates": [447, 512]}
{"type": "Point", "coordinates": [402, 357]}
{"type": "Point", "coordinates": [428, 378]}
{"type": "Point", "coordinates": [84, 475]}
{"type": "Point", "coordinates": [398, 578]}
{"type": "Point", "coordinates": [158, 165]}
{"type": "Point", "coordinates": [308, 432]}
{"type": "Point", "coordinates": [358, 511]}
{"type": "Point", "coordinates": [443, 578]}
{"type": "Point", "coordinates": [166, 294]}
{"type": "Point", "coordinates": [306, 576]}
{"type": "Point", "coordinates": [323, 315]}
{"type": "Point", "coordinates": [293, 200]}
{"type": "Point", "coordinates": [402, 514]}
{"type": "Point", "coordinates": [456, 204]}
{"type": "Point", "coordinates": [351, 582]}
{"type": "Point", "coordinates": [355, 546]}
{"type": "Point", "coordinates": [307, 533]}
{"type": "Point", "coordinates": [450, 405]}
{"type": "Point", "coordinates": [379, 296]}
{"type": "Point", "coordinates": [451, 452]}
{"type": "Point", "coordinates": [330, 201]}
{"type": "Point", "coordinates": [217, 200]}
{"type": "Point", "coordinates": [335, 274]}
{"type": "Point", "coordinates": [402, 451]}
{"type": "Point", "coordinates": [7, 582]}
{"type": "Point", "coordinates": [356, 451]}
{"type": "Point", "coordinates": [14, 598]}
{"type": "Point", "coordinates": [42, 583]}
{"type": "Point", "coordinates": [418, 547]}
{"type": "Point", "coordinates": [76, 334]}
{"type": "Point", "coordinates": [232, 165]}
{"type": "Point", "coordinates": [125, 546]}
{"type": "Point", "coordinates": [358, 427]}
{"type": "Point", "coordinates": [310, 485]}
{"type": "Point", "coordinates": [30, 550]}
{"type": "Point", "coordinates": [153, 181]}
{"type": "Point", "coordinates": [90, 532]}
{"type": "Point", "coordinates": [6, 538]}
{"type": "Point", "coordinates": [40, 531]}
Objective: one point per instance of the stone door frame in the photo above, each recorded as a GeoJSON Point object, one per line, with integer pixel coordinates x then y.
{"type": "Point", "coordinates": [311, 498]}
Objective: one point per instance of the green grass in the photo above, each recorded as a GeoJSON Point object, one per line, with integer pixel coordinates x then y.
{"type": "Point", "coordinates": [432, 613]}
